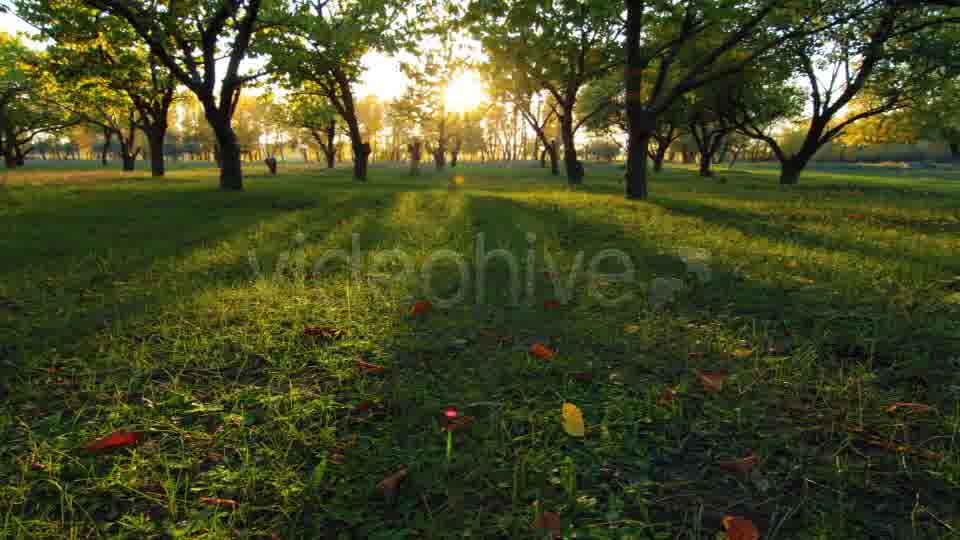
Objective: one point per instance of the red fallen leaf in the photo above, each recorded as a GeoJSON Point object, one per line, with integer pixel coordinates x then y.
{"type": "Point", "coordinates": [550, 275]}
{"type": "Point", "coordinates": [115, 440]}
{"type": "Point", "coordinates": [742, 465]}
{"type": "Point", "coordinates": [324, 332]}
{"type": "Point", "coordinates": [666, 396]}
{"type": "Point", "coordinates": [421, 308]}
{"type": "Point", "coordinates": [739, 528]}
{"type": "Point", "coordinates": [549, 523]}
{"type": "Point", "coordinates": [909, 407]}
{"type": "Point", "coordinates": [364, 407]}
{"type": "Point", "coordinates": [367, 367]}
{"type": "Point", "coordinates": [584, 376]}
{"type": "Point", "coordinates": [52, 370]}
{"type": "Point", "coordinates": [390, 485]}
{"type": "Point", "coordinates": [856, 216]}
{"type": "Point", "coordinates": [38, 467]}
{"type": "Point", "coordinates": [552, 304]}
{"type": "Point", "coordinates": [458, 422]}
{"type": "Point", "coordinates": [712, 380]}
{"type": "Point", "coordinates": [222, 503]}
{"type": "Point", "coordinates": [541, 351]}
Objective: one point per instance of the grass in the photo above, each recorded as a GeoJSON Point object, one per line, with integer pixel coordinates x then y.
{"type": "Point", "coordinates": [128, 303]}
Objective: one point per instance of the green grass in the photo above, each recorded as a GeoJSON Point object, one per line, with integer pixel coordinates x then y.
{"type": "Point", "coordinates": [130, 303]}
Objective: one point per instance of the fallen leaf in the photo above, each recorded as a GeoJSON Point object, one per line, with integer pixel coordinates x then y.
{"type": "Point", "coordinates": [38, 467]}
{"type": "Point", "coordinates": [223, 503]}
{"type": "Point", "coordinates": [541, 351]}
{"type": "Point", "coordinates": [573, 420]}
{"type": "Point", "coordinates": [458, 422]}
{"type": "Point", "coordinates": [712, 380]}
{"type": "Point", "coordinates": [421, 308]}
{"type": "Point", "coordinates": [666, 396]}
{"type": "Point", "coordinates": [368, 367]}
{"type": "Point", "coordinates": [632, 328]}
{"type": "Point", "coordinates": [324, 332]}
{"type": "Point", "coordinates": [742, 465]}
{"type": "Point", "coordinates": [552, 304]}
{"type": "Point", "coordinates": [909, 407]}
{"type": "Point", "coordinates": [584, 376]}
{"type": "Point", "coordinates": [856, 216]}
{"type": "Point", "coordinates": [549, 523]}
{"type": "Point", "coordinates": [892, 446]}
{"type": "Point", "coordinates": [116, 439]}
{"type": "Point", "coordinates": [742, 353]}
{"type": "Point", "coordinates": [390, 485]}
{"type": "Point", "coordinates": [739, 528]}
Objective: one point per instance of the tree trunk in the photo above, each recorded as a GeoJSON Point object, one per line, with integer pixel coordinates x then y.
{"type": "Point", "coordinates": [328, 150]}
{"type": "Point", "coordinates": [658, 156]}
{"type": "Point", "coordinates": [543, 158]}
{"type": "Point", "coordinates": [573, 165]}
{"type": "Point", "coordinates": [107, 141]}
{"type": "Point", "coordinates": [226, 152]}
{"type": "Point", "coordinates": [155, 136]}
{"type": "Point", "coordinates": [706, 159]}
{"type": "Point", "coordinates": [415, 154]}
{"type": "Point", "coordinates": [790, 170]}
{"type": "Point", "coordinates": [955, 151]}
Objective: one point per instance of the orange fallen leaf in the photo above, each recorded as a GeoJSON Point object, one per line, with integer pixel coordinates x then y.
{"type": "Point", "coordinates": [666, 396]}
{"type": "Point", "coordinates": [856, 216]}
{"type": "Point", "coordinates": [116, 439]}
{"type": "Point", "coordinates": [739, 528]}
{"type": "Point", "coordinates": [390, 485]}
{"type": "Point", "coordinates": [742, 465]}
{"type": "Point", "coordinates": [368, 367]}
{"type": "Point", "coordinates": [421, 308]}
{"type": "Point", "coordinates": [552, 304]}
{"type": "Point", "coordinates": [549, 523]}
{"type": "Point", "coordinates": [892, 446]}
{"type": "Point", "coordinates": [223, 503]}
{"type": "Point", "coordinates": [909, 407]}
{"type": "Point", "coordinates": [712, 380]}
{"type": "Point", "coordinates": [541, 351]}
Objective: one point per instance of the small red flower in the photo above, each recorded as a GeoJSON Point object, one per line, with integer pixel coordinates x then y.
{"type": "Point", "coordinates": [451, 412]}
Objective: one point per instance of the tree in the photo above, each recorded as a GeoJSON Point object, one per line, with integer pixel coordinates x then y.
{"type": "Point", "coordinates": [97, 49]}
{"type": "Point", "coordinates": [322, 43]}
{"type": "Point", "coordinates": [561, 46]}
{"type": "Point", "coordinates": [536, 106]}
{"type": "Point", "coordinates": [310, 111]}
{"type": "Point", "coordinates": [26, 107]}
{"type": "Point", "coordinates": [868, 52]}
{"type": "Point", "coordinates": [674, 49]}
{"type": "Point", "coordinates": [187, 38]}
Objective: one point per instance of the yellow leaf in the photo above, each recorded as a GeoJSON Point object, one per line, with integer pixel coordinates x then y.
{"type": "Point", "coordinates": [573, 420]}
{"type": "Point", "coordinates": [631, 328]}
{"type": "Point", "coordinates": [743, 353]}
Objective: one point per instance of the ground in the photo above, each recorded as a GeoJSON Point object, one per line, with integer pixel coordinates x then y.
{"type": "Point", "coordinates": [273, 394]}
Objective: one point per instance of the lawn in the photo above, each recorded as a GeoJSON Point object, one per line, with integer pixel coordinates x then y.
{"type": "Point", "coordinates": [272, 395]}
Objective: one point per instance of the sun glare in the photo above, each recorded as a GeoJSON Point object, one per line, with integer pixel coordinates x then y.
{"type": "Point", "coordinates": [465, 92]}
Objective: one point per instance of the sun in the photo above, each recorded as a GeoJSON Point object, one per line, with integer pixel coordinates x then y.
{"type": "Point", "coordinates": [465, 92]}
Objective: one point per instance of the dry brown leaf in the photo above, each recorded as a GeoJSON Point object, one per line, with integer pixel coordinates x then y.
{"type": "Point", "coordinates": [368, 367]}
{"type": "Point", "coordinates": [712, 380]}
{"type": "Point", "coordinates": [742, 465]}
{"type": "Point", "coordinates": [909, 407]}
{"type": "Point", "coordinates": [548, 523]}
{"type": "Point", "coordinates": [390, 485]}
{"type": "Point", "coordinates": [739, 528]}
{"type": "Point", "coordinates": [222, 503]}
{"type": "Point", "coordinates": [666, 396]}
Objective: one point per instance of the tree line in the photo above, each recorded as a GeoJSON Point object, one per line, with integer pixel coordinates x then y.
{"type": "Point", "coordinates": [726, 77]}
